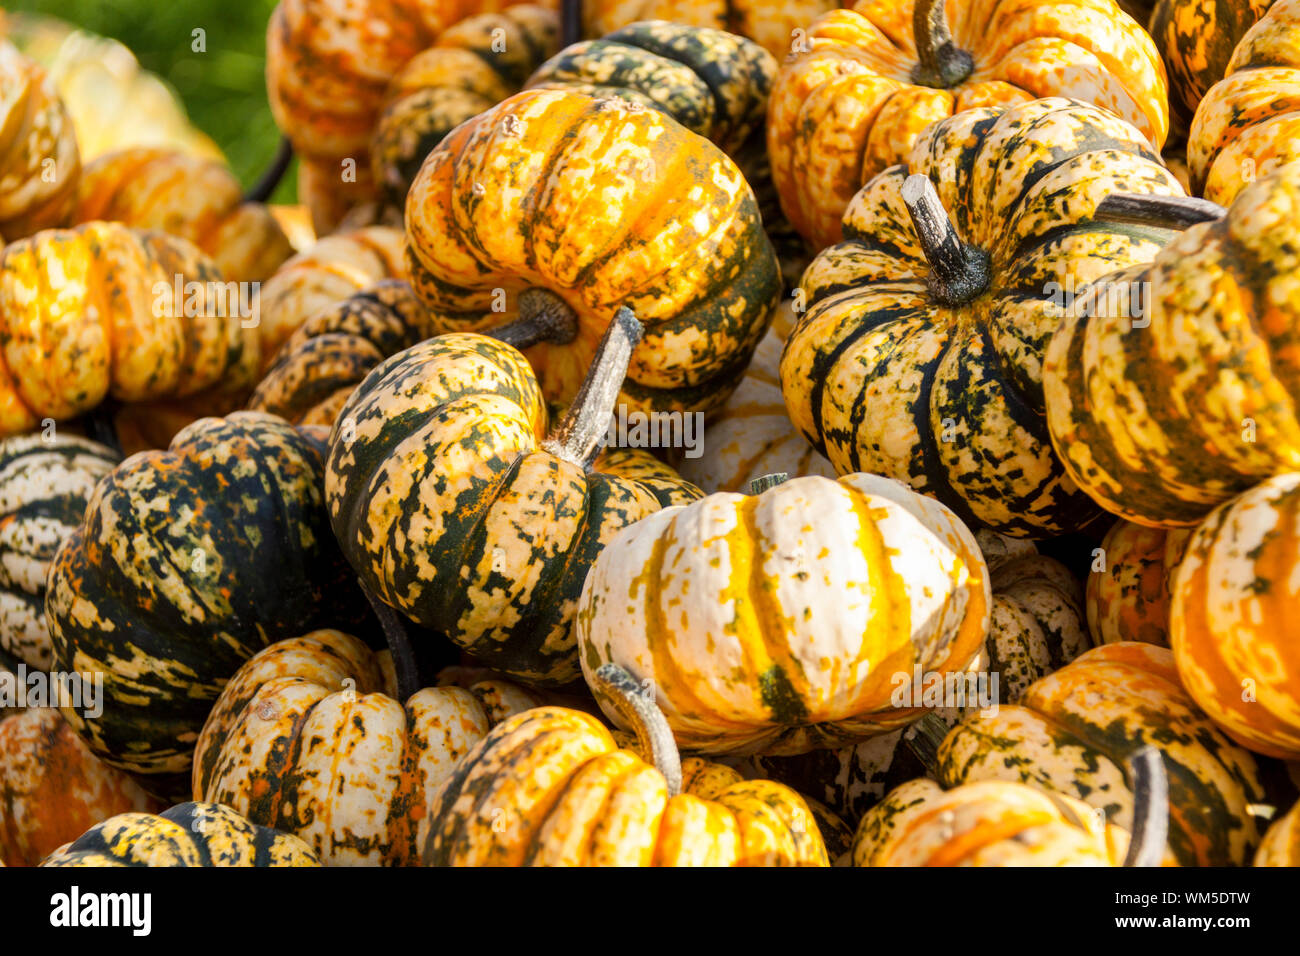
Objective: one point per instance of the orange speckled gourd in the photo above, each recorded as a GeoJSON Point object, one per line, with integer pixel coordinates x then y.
{"type": "Point", "coordinates": [1196, 39]}
{"type": "Point", "coordinates": [1128, 597]}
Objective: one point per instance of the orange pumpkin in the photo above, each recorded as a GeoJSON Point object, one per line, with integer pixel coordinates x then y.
{"type": "Point", "coordinates": [1128, 586]}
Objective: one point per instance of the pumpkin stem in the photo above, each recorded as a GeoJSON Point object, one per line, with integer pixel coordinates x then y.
{"type": "Point", "coordinates": [543, 317]}
{"type": "Point", "coordinates": [101, 426]}
{"type": "Point", "coordinates": [1146, 770]}
{"type": "Point", "coordinates": [263, 188]}
{"type": "Point", "coordinates": [943, 64]}
{"type": "Point", "coordinates": [578, 436]}
{"type": "Point", "coordinates": [1165, 212]}
{"type": "Point", "coordinates": [638, 708]}
{"type": "Point", "coordinates": [958, 272]}
{"type": "Point", "coordinates": [923, 738]}
{"type": "Point", "coordinates": [570, 22]}
{"type": "Point", "coordinates": [760, 485]}
{"type": "Point", "coordinates": [405, 667]}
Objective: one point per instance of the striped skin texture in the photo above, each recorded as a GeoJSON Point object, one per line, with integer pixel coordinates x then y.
{"type": "Point", "coordinates": [331, 353]}
{"type": "Point", "coordinates": [549, 787]}
{"type": "Point", "coordinates": [448, 509]}
{"type": "Point", "coordinates": [52, 789]}
{"type": "Point", "coordinates": [844, 109]}
{"type": "Point", "coordinates": [303, 740]}
{"type": "Point", "coordinates": [39, 161]}
{"type": "Point", "coordinates": [1196, 39]}
{"type": "Point", "coordinates": [770, 23]}
{"type": "Point", "coordinates": [472, 66]}
{"type": "Point", "coordinates": [81, 319]}
{"type": "Point", "coordinates": [323, 275]}
{"type": "Point", "coordinates": [606, 204]}
{"type": "Point", "coordinates": [984, 824]}
{"type": "Point", "coordinates": [751, 435]}
{"type": "Point", "coordinates": [1036, 626]}
{"type": "Point", "coordinates": [44, 488]}
{"type": "Point", "coordinates": [188, 562]}
{"type": "Point", "coordinates": [193, 197]}
{"type": "Point", "coordinates": [1128, 600]}
{"type": "Point", "coordinates": [1161, 419]}
{"type": "Point", "coordinates": [1233, 618]}
{"type": "Point", "coordinates": [191, 834]}
{"type": "Point", "coordinates": [1281, 844]}
{"type": "Point", "coordinates": [1073, 730]}
{"type": "Point", "coordinates": [882, 377]}
{"type": "Point", "coordinates": [776, 623]}
{"type": "Point", "coordinates": [1248, 124]}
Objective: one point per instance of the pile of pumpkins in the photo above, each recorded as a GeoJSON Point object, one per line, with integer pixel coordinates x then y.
{"type": "Point", "coordinates": [992, 310]}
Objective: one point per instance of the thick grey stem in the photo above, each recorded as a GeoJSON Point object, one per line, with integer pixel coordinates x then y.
{"type": "Point", "coordinates": [958, 272]}
{"type": "Point", "coordinates": [1146, 771]}
{"type": "Point", "coordinates": [943, 64]}
{"type": "Point", "coordinates": [1165, 212]}
{"type": "Point", "coordinates": [761, 484]}
{"type": "Point", "coordinates": [654, 738]}
{"type": "Point", "coordinates": [543, 317]}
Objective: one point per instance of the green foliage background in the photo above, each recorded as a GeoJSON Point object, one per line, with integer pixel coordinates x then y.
{"type": "Point", "coordinates": [224, 89]}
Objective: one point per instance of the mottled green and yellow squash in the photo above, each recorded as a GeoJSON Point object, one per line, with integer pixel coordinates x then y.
{"type": "Point", "coordinates": [774, 25]}
{"type": "Point", "coordinates": [1234, 617]}
{"type": "Point", "coordinates": [191, 834]}
{"type": "Point", "coordinates": [1248, 123]}
{"type": "Point", "coordinates": [45, 484]}
{"type": "Point", "coordinates": [306, 739]}
{"type": "Point", "coordinates": [774, 623]}
{"type": "Point", "coordinates": [39, 162]}
{"type": "Point", "coordinates": [1281, 844]}
{"type": "Point", "coordinates": [323, 275]}
{"type": "Point", "coordinates": [91, 313]}
{"type": "Point", "coordinates": [862, 86]}
{"type": "Point", "coordinates": [1196, 39]}
{"type": "Point", "coordinates": [1074, 730]}
{"type": "Point", "coordinates": [188, 562]}
{"type": "Point", "coordinates": [53, 789]}
{"type": "Point", "coordinates": [455, 506]}
{"type": "Point", "coordinates": [1128, 591]}
{"type": "Point", "coordinates": [603, 204]}
{"type": "Point", "coordinates": [920, 352]}
{"type": "Point", "coordinates": [550, 787]}
{"type": "Point", "coordinates": [1172, 387]}
{"type": "Point", "coordinates": [473, 65]}
{"type": "Point", "coordinates": [192, 197]}
{"type": "Point", "coordinates": [331, 353]}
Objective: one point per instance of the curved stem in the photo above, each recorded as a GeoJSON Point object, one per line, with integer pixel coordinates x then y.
{"type": "Point", "coordinates": [399, 644]}
{"type": "Point", "coordinates": [101, 427]}
{"type": "Point", "coordinates": [654, 738]}
{"type": "Point", "coordinates": [943, 64]}
{"type": "Point", "coordinates": [263, 188]}
{"type": "Point", "coordinates": [1146, 846]}
{"type": "Point", "coordinates": [760, 485]}
{"type": "Point", "coordinates": [958, 272]}
{"type": "Point", "coordinates": [543, 317]}
{"type": "Point", "coordinates": [578, 436]}
{"type": "Point", "coordinates": [570, 22]}
{"type": "Point", "coordinates": [923, 738]}
{"type": "Point", "coordinates": [1165, 212]}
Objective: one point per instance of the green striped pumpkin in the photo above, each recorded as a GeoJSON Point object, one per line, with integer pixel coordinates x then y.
{"type": "Point", "coordinates": [187, 563]}
{"type": "Point", "coordinates": [45, 484]}
{"type": "Point", "coordinates": [926, 367]}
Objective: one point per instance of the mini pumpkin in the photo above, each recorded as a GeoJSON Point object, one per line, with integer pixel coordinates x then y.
{"type": "Point", "coordinates": [1196, 39]}
{"type": "Point", "coordinates": [919, 355]}
{"type": "Point", "coordinates": [187, 563]}
{"type": "Point", "coordinates": [549, 787]}
{"type": "Point", "coordinates": [93, 312]}
{"type": "Point", "coordinates": [45, 484]}
{"type": "Point", "coordinates": [52, 788]}
{"type": "Point", "coordinates": [39, 162]}
{"type": "Point", "coordinates": [196, 198]}
{"type": "Point", "coordinates": [1281, 844]}
{"type": "Point", "coordinates": [853, 98]}
{"type": "Point", "coordinates": [1231, 618]}
{"type": "Point", "coordinates": [456, 507]}
{"type": "Point", "coordinates": [762, 621]}
{"type": "Point", "coordinates": [1128, 594]}
{"type": "Point", "coordinates": [1248, 124]}
{"type": "Point", "coordinates": [1074, 729]}
{"type": "Point", "coordinates": [473, 65]}
{"type": "Point", "coordinates": [598, 204]}
{"type": "Point", "coordinates": [190, 834]}
{"type": "Point", "coordinates": [1170, 387]}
